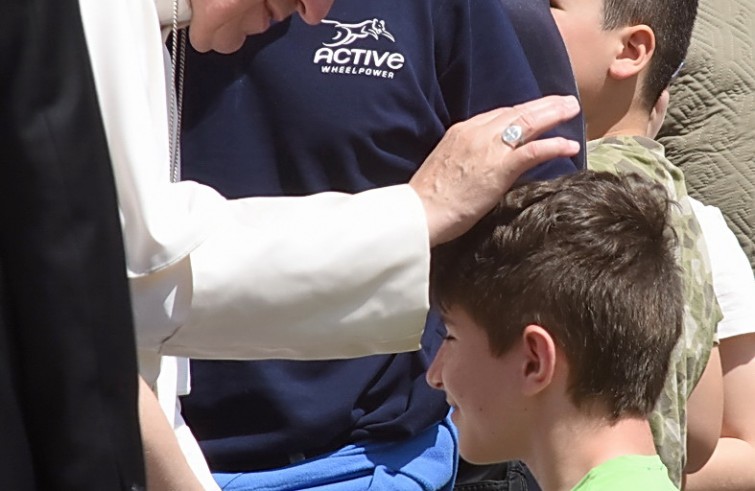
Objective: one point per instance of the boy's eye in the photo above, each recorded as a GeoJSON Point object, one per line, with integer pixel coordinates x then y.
{"type": "Point", "coordinates": [448, 337]}
{"type": "Point", "coordinates": [554, 4]}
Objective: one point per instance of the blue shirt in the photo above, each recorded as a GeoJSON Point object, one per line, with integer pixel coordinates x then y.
{"type": "Point", "coordinates": [354, 103]}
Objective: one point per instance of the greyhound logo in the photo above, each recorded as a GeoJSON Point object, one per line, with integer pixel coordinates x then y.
{"type": "Point", "coordinates": [339, 56]}
{"type": "Point", "coordinates": [348, 33]}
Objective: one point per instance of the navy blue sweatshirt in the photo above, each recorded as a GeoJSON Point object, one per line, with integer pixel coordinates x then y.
{"type": "Point", "coordinates": [354, 103]}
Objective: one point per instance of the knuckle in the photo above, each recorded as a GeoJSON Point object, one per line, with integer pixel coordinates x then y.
{"type": "Point", "coordinates": [531, 151]}
{"type": "Point", "coordinates": [527, 122]}
{"type": "Point", "coordinates": [455, 128]}
{"type": "Point", "coordinates": [455, 131]}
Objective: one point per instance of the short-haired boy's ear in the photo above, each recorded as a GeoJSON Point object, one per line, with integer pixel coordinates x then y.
{"type": "Point", "coordinates": [638, 46]}
{"type": "Point", "coordinates": [539, 359]}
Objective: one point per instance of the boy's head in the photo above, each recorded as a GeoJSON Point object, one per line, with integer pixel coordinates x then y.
{"type": "Point", "coordinates": [570, 287]}
{"type": "Point", "coordinates": [614, 41]}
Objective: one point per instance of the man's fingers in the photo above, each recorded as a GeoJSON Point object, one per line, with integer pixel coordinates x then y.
{"type": "Point", "coordinates": [537, 116]}
{"type": "Point", "coordinates": [547, 102]}
{"type": "Point", "coordinates": [546, 105]}
{"type": "Point", "coordinates": [538, 151]}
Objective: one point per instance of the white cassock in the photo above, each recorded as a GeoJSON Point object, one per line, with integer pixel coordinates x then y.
{"type": "Point", "coordinates": [327, 276]}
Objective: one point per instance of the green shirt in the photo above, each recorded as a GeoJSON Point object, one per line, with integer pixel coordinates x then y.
{"type": "Point", "coordinates": [668, 421]}
{"type": "Point", "coordinates": [628, 473]}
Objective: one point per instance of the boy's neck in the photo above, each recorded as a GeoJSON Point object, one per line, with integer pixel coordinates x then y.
{"type": "Point", "coordinates": [632, 123]}
{"type": "Point", "coordinates": [616, 111]}
{"type": "Point", "coordinates": [563, 452]}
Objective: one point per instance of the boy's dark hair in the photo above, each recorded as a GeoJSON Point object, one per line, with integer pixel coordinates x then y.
{"type": "Point", "coordinates": [671, 21]}
{"type": "Point", "coordinates": [591, 258]}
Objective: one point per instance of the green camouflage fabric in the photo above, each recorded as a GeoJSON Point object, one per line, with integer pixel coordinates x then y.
{"type": "Point", "coordinates": [646, 157]}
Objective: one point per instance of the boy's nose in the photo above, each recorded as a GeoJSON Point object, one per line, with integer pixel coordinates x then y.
{"type": "Point", "coordinates": [433, 375]}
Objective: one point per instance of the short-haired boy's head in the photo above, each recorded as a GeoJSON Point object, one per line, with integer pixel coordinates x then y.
{"type": "Point", "coordinates": [590, 258]}
{"type": "Point", "coordinates": [598, 36]}
{"type": "Point", "coordinates": [672, 22]}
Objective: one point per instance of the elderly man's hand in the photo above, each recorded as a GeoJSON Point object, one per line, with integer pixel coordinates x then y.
{"type": "Point", "coordinates": [472, 167]}
{"type": "Point", "coordinates": [223, 25]}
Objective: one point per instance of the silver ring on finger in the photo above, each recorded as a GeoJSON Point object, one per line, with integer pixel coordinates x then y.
{"type": "Point", "coordinates": [513, 136]}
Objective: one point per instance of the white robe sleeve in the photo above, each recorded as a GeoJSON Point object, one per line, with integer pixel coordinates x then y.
{"type": "Point", "coordinates": [327, 276]}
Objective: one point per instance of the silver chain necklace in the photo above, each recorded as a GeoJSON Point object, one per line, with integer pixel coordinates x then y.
{"type": "Point", "coordinates": [177, 62]}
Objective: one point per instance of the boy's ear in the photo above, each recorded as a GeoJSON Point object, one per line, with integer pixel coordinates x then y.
{"type": "Point", "coordinates": [637, 48]}
{"type": "Point", "coordinates": [539, 357]}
